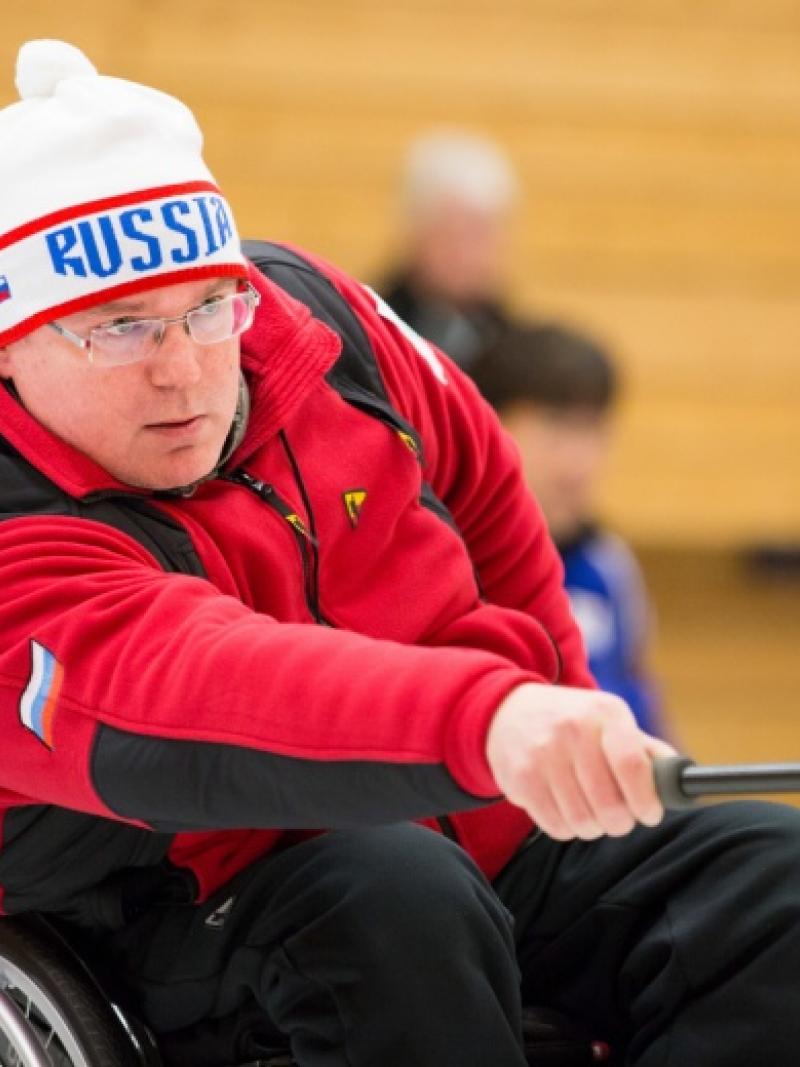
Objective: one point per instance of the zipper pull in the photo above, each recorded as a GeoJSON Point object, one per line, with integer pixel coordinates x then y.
{"type": "Point", "coordinates": [268, 494]}
{"type": "Point", "coordinates": [297, 524]}
{"type": "Point", "coordinates": [263, 489]}
{"type": "Point", "coordinates": [411, 443]}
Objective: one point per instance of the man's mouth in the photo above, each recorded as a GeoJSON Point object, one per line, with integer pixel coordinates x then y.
{"type": "Point", "coordinates": [176, 426]}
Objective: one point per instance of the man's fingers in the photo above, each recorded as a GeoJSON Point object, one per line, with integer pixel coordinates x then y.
{"type": "Point", "coordinates": [575, 807]}
{"type": "Point", "coordinates": [537, 799]}
{"type": "Point", "coordinates": [630, 761]}
{"type": "Point", "coordinates": [656, 747]}
{"type": "Point", "coordinates": [601, 789]}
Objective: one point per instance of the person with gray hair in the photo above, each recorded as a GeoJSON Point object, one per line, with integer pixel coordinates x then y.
{"type": "Point", "coordinates": [458, 192]}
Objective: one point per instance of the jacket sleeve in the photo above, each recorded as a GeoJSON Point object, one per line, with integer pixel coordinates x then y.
{"type": "Point", "coordinates": [473, 467]}
{"type": "Point", "coordinates": [154, 698]}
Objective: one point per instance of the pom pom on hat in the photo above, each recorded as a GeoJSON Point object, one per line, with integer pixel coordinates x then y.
{"type": "Point", "coordinates": [41, 65]}
{"type": "Point", "coordinates": [105, 192]}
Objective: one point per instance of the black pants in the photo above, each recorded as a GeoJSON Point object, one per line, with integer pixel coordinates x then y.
{"type": "Point", "coordinates": [386, 947]}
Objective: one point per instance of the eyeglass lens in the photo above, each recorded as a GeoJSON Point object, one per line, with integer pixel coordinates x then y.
{"type": "Point", "coordinates": [211, 323]}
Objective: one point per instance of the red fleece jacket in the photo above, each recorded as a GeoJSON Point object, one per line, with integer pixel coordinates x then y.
{"type": "Point", "coordinates": [214, 710]}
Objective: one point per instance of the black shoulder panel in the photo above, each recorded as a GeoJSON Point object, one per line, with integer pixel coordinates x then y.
{"type": "Point", "coordinates": [355, 375]}
{"type": "Point", "coordinates": [25, 491]}
{"type": "Point", "coordinates": [300, 279]}
{"type": "Point", "coordinates": [156, 531]}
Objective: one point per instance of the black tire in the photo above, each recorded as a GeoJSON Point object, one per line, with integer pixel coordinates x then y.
{"type": "Point", "coordinates": [61, 988]}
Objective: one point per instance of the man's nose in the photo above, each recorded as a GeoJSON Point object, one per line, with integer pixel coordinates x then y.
{"type": "Point", "coordinates": [175, 364]}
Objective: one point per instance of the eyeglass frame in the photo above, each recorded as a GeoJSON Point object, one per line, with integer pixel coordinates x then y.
{"type": "Point", "coordinates": [250, 293]}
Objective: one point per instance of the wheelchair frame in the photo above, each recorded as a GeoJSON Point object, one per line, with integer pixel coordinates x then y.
{"type": "Point", "coordinates": [55, 1013]}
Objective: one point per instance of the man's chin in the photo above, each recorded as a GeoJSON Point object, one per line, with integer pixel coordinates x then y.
{"type": "Point", "coordinates": [171, 477]}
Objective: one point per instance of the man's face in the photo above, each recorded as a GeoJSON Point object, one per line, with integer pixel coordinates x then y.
{"type": "Point", "coordinates": [157, 424]}
{"type": "Point", "coordinates": [458, 251]}
{"type": "Point", "coordinates": [562, 455]}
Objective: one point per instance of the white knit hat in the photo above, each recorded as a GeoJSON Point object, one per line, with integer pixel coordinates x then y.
{"type": "Point", "coordinates": [104, 192]}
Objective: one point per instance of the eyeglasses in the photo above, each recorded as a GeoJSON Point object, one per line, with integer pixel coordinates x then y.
{"type": "Point", "coordinates": [131, 340]}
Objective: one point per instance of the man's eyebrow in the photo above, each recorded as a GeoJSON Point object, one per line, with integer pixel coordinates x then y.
{"type": "Point", "coordinates": [119, 305]}
{"type": "Point", "coordinates": [138, 305]}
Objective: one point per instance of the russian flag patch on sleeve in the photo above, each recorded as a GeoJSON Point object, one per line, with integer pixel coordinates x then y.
{"type": "Point", "coordinates": [5, 289]}
{"type": "Point", "coordinates": [38, 704]}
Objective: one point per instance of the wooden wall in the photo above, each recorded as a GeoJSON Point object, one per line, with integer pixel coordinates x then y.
{"type": "Point", "coordinates": [659, 146]}
{"type": "Point", "coordinates": [725, 655]}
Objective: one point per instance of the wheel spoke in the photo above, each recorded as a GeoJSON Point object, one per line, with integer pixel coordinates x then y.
{"type": "Point", "coordinates": [46, 1014]}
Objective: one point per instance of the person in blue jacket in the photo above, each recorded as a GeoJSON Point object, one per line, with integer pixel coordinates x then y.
{"type": "Point", "coordinates": [554, 389]}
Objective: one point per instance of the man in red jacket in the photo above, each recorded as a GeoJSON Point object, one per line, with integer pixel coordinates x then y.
{"type": "Point", "coordinates": [268, 567]}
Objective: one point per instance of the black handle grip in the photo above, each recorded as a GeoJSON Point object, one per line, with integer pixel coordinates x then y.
{"type": "Point", "coordinates": [679, 780]}
{"type": "Point", "coordinates": [668, 773]}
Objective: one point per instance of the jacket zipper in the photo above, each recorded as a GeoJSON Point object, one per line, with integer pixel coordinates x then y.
{"type": "Point", "coordinates": [313, 540]}
{"type": "Point", "coordinates": [305, 539]}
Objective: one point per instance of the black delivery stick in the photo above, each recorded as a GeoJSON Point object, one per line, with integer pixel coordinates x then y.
{"type": "Point", "coordinates": [680, 781]}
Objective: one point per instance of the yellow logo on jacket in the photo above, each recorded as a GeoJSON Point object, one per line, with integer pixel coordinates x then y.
{"type": "Point", "coordinates": [353, 503]}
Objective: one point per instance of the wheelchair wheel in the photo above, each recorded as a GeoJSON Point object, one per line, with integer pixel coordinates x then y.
{"type": "Point", "coordinates": [52, 1014]}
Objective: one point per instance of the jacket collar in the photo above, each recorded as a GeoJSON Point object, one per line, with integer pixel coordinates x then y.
{"type": "Point", "coordinates": [285, 354]}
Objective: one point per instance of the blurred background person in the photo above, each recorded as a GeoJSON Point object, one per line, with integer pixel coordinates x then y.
{"type": "Point", "coordinates": [457, 197]}
{"type": "Point", "coordinates": [554, 389]}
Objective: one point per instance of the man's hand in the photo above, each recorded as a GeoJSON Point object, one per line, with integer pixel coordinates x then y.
{"type": "Point", "coordinates": [575, 760]}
